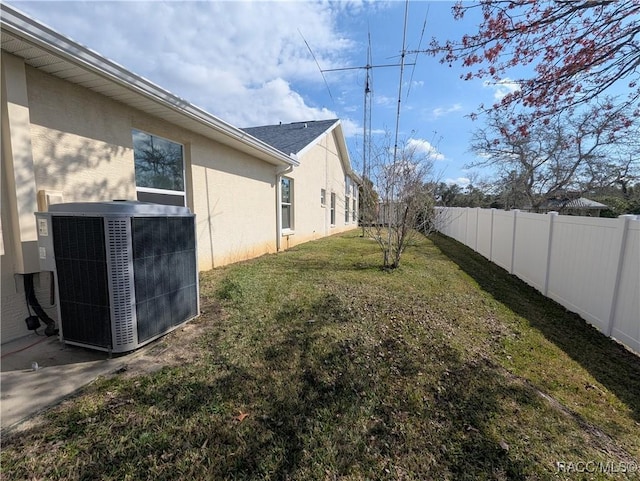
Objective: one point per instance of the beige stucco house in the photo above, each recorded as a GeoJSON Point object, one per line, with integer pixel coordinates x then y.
{"type": "Point", "coordinates": [320, 196]}
{"type": "Point", "coordinates": [78, 127]}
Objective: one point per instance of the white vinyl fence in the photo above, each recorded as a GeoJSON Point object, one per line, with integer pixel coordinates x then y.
{"type": "Point", "coordinates": [589, 265]}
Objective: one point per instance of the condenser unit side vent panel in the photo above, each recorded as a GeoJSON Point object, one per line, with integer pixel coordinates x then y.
{"type": "Point", "coordinates": [121, 277]}
{"type": "Point", "coordinates": [79, 246]}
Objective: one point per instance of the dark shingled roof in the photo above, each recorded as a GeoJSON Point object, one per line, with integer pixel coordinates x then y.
{"type": "Point", "coordinates": [291, 138]}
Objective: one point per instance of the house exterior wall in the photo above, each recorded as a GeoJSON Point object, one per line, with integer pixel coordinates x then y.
{"type": "Point", "coordinates": [64, 139]}
{"type": "Point", "coordinates": [18, 253]}
{"type": "Point", "coordinates": [81, 141]}
{"type": "Point", "coordinates": [234, 198]}
{"type": "Point", "coordinates": [77, 146]}
{"type": "Point", "coordinates": [320, 167]}
{"type": "Point", "coordinates": [83, 149]}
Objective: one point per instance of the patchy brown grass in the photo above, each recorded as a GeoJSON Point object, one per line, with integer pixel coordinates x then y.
{"type": "Point", "coordinates": [316, 364]}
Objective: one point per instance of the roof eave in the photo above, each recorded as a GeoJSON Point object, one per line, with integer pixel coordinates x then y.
{"type": "Point", "coordinates": [311, 144]}
{"type": "Point", "coordinates": [28, 30]}
{"type": "Point", "coordinates": [342, 147]}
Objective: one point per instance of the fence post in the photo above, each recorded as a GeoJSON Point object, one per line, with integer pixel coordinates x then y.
{"type": "Point", "coordinates": [623, 228]}
{"type": "Point", "coordinates": [513, 241]}
{"type": "Point", "coordinates": [552, 218]}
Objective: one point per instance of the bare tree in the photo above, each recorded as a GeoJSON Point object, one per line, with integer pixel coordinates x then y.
{"type": "Point", "coordinates": [405, 193]}
{"type": "Point", "coordinates": [539, 160]}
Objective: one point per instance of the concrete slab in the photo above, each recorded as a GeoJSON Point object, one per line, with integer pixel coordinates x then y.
{"type": "Point", "coordinates": [64, 369]}
{"type": "Point", "coordinates": [27, 389]}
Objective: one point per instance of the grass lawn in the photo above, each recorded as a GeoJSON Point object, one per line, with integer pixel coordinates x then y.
{"type": "Point", "coordinates": [315, 364]}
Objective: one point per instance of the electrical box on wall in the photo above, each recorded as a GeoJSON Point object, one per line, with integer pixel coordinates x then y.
{"type": "Point", "coordinates": [126, 272]}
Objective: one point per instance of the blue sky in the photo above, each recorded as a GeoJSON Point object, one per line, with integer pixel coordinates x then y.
{"type": "Point", "coordinates": [247, 63]}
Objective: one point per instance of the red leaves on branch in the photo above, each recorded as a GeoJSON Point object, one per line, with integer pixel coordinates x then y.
{"type": "Point", "coordinates": [458, 11]}
{"type": "Point", "coordinates": [523, 130]}
{"type": "Point", "coordinates": [491, 54]}
{"type": "Point", "coordinates": [581, 50]}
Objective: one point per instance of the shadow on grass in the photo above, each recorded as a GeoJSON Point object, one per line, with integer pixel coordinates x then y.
{"type": "Point", "coordinates": [327, 407]}
{"type": "Point", "coordinates": [320, 406]}
{"type": "Point", "coordinates": [609, 362]}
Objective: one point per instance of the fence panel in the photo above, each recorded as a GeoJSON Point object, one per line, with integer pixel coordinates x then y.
{"type": "Point", "coordinates": [531, 246]}
{"type": "Point", "coordinates": [626, 315]}
{"type": "Point", "coordinates": [460, 225]}
{"type": "Point", "coordinates": [582, 266]}
{"type": "Point", "coordinates": [452, 222]}
{"type": "Point", "coordinates": [472, 228]}
{"type": "Point", "coordinates": [502, 248]}
{"type": "Point", "coordinates": [485, 232]}
{"type": "Point", "coordinates": [589, 265]}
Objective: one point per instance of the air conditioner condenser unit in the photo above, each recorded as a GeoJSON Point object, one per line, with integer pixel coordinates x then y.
{"type": "Point", "coordinates": [126, 272]}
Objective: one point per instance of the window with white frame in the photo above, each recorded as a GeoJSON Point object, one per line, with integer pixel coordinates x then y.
{"type": "Point", "coordinates": [159, 168]}
{"type": "Point", "coordinates": [323, 197]}
{"type": "Point", "coordinates": [286, 203]}
{"type": "Point", "coordinates": [347, 204]}
{"type": "Point", "coordinates": [333, 208]}
{"type": "Point", "coordinates": [356, 197]}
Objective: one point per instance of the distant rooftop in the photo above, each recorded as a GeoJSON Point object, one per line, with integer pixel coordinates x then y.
{"type": "Point", "coordinates": [291, 138]}
{"type": "Point", "coordinates": [580, 203]}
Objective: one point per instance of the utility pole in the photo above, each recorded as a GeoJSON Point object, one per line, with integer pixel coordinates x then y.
{"type": "Point", "coordinates": [366, 127]}
{"type": "Point", "coordinates": [366, 131]}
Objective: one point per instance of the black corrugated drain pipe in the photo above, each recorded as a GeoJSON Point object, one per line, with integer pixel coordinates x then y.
{"type": "Point", "coordinates": [32, 303]}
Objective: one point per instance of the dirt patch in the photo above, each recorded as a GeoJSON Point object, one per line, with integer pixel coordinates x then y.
{"type": "Point", "coordinates": [174, 349]}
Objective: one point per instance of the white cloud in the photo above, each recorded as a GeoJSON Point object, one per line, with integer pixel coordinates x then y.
{"type": "Point", "coordinates": [422, 146]}
{"type": "Point", "coordinates": [461, 181]}
{"type": "Point", "coordinates": [290, 106]}
{"type": "Point", "coordinates": [350, 108]}
{"type": "Point", "coordinates": [384, 100]}
{"type": "Point", "coordinates": [237, 60]}
{"type": "Point", "coordinates": [502, 87]}
{"type": "Point", "coordinates": [440, 111]}
{"type": "Point", "coordinates": [351, 128]}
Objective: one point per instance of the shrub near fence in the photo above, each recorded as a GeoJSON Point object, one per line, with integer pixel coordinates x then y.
{"type": "Point", "coordinates": [589, 265]}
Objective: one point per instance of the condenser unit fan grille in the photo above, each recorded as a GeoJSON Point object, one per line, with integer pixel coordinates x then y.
{"type": "Point", "coordinates": [164, 260]}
